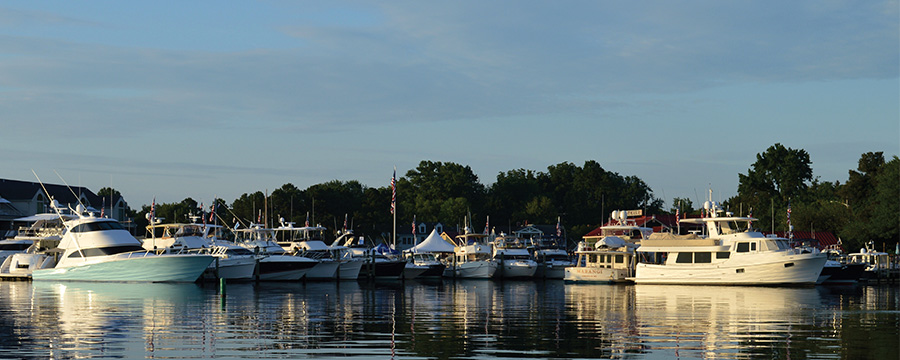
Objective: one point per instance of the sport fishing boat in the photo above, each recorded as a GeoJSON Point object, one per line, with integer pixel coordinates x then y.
{"type": "Point", "coordinates": [611, 258]}
{"type": "Point", "coordinates": [731, 252]}
{"type": "Point", "coordinates": [101, 249]}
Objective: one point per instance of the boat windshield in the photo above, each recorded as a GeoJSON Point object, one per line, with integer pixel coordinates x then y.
{"type": "Point", "coordinates": [97, 226]}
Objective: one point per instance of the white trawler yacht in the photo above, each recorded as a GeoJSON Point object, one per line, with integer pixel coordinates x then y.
{"type": "Point", "coordinates": [100, 249]}
{"type": "Point", "coordinates": [731, 252]}
{"type": "Point", "coordinates": [609, 257]}
{"type": "Point", "coordinates": [472, 258]}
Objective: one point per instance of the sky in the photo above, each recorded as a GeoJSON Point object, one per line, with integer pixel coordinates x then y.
{"type": "Point", "coordinates": [167, 100]}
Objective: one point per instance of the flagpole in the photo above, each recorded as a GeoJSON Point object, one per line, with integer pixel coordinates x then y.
{"type": "Point", "coordinates": [394, 204]}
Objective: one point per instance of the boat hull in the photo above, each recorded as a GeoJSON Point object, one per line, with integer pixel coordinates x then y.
{"type": "Point", "coordinates": [475, 270]}
{"type": "Point", "coordinates": [789, 270]}
{"type": "Point", "coordinates": [283, 268]}
{"type": "Point", "coordinates": [164, 268]}
{"type": "Point", "coordinates": [508, 269]}
{"type": "Point", "coordinates": [324, 270]}
{"type": "Point", "coordinates": [595, 275]}
{"type": "Point", "coordinates": [349, 269]}
{"type": "Point", "coordinates": [231, 269]}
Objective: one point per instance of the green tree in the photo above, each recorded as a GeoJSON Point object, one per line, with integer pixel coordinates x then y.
{"type": "Point", "coordinates": [684, 206]}
{"type": "Point", "coordinates": [432, 184]}
{"type": "Point", "coordinates": [778, 176]}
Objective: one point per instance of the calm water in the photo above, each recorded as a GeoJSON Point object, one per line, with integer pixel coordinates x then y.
{"type": "Point", "coordinates": [446, 320]}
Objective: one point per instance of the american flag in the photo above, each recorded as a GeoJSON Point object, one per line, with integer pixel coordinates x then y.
{"type": "Point", "coordinates": [153, 209]}
{"type": "Point", "coordinates": [394, 192]}
{"type": "Point", "coordinates": [487, 226]}
{"type": "Point", "coordinates": [790, 228]}
{"type": "Point", "coordinates": [103, 208]}
{"type": "Point", "coordinates": [345, 222]}
{"type": "Point", "coordinates": [307, 219]}
{"type": "Point", "coordinates": [677, 216]}
{"type": "Point", "coordinates": [558, 229]}
{"type": "Point", "coordinates": [414, 226]}
{"type": "Point", "coordinates": [212, 212]}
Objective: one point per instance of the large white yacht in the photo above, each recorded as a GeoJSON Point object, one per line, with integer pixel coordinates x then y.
{"type": "Point", "coordinates": [731, 252]}
{"type": "Point", "coordinates": [100, 249]}
{"type": "Point", "coordinates": [472, 258]}
{"type": "Point", "coordinates": [609, 257]}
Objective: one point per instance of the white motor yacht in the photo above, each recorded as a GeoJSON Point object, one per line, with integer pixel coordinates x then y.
{"type": "Point", "coordinates": [100, 249]}
{"type": "Point", "coordinates": [308, 241]}
{"type": "Point", "coordinates": [276, 264]}
{"type": "Point", "coordinates": [611, 258]}
{"type": "Point", "coordinates": [472, 258]}
{"type": "Point", "coordinates": [20, 255]}
{"type": "Point", "coordinates": [730, 252]}
{"type": "Point", "coordinates": [513, 259]}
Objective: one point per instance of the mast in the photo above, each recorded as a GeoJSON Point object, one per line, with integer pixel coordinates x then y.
{"type": "Point", "coordinates": [394, 205]}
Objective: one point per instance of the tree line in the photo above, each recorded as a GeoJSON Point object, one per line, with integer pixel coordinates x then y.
{"type": "Point", "coordinates": [864, 208]}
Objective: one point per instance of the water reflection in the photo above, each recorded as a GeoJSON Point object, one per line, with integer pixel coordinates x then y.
{"type": "Point", "coordinates": [444, 319]}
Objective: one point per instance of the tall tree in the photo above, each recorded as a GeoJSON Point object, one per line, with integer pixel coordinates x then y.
{"type": "Point", "coordinates": [443, 191]}
{"type": "Point", "coordinates": [780, 173]}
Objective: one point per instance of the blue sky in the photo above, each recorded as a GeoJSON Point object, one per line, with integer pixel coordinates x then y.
{"type": "Point", "coordinates": [175, 99]}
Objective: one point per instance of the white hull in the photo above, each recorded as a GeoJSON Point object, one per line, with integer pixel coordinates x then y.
{"type": "Point", "coordinates": [516, 269]}
{"type": "Point", "coordinates": [805, 270]}
{"type": "Point", "coordinates": [154, 268]}
{"type": "Point", "coordinates": [552, 271]}
{"type": "Point", "coordinates": [475, 270]}
{"type": "Point", "coordinates": [349, 269]}
{"type": "Point", "coordinates": [232, 269]}
{"type": "Point", "coordinates": [326, 269]}
{"type": "Point", "coordinates": [595, 274]}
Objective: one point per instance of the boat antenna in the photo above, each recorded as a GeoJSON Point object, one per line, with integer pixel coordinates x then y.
{"type": "Point", "coordinates": [56, 209]}
{"type": "Point", "coordinates": [77, 198]}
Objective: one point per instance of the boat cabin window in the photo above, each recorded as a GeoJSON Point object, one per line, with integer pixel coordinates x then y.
{"type": "Point", "coordinates": [97, 226]}
{"type": "Point", "coordinates": [703, 257]}
{"type": "Point", "coordinates": [112, 250]}
{"type": "Point", "coordinates": [15, 246]}
{"type": "Point", "coordinates": [723, 255]}
{"type": "Point", "coordinates": [684, 258]}
{"type": "Point", "coordinates": [743, 247]}
{"type": "Point", "coordinates": [620, 259]}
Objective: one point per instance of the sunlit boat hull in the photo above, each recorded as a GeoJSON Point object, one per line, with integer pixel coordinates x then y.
{"type": "Point", "coordinates": [595, 275]}
{"type": "Point", "coordinates": [231, 269]}
{"type": "Point", "coordinates": [803, 269]}
{"type": "Point", "coordinates": [163, 268]}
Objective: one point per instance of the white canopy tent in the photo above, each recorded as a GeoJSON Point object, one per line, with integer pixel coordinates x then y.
{"type": "Point", "coordinates": [434, 243]}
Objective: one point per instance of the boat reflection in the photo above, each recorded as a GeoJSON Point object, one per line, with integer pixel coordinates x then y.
{"type": "Point", "coordinates": [699, 321]}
